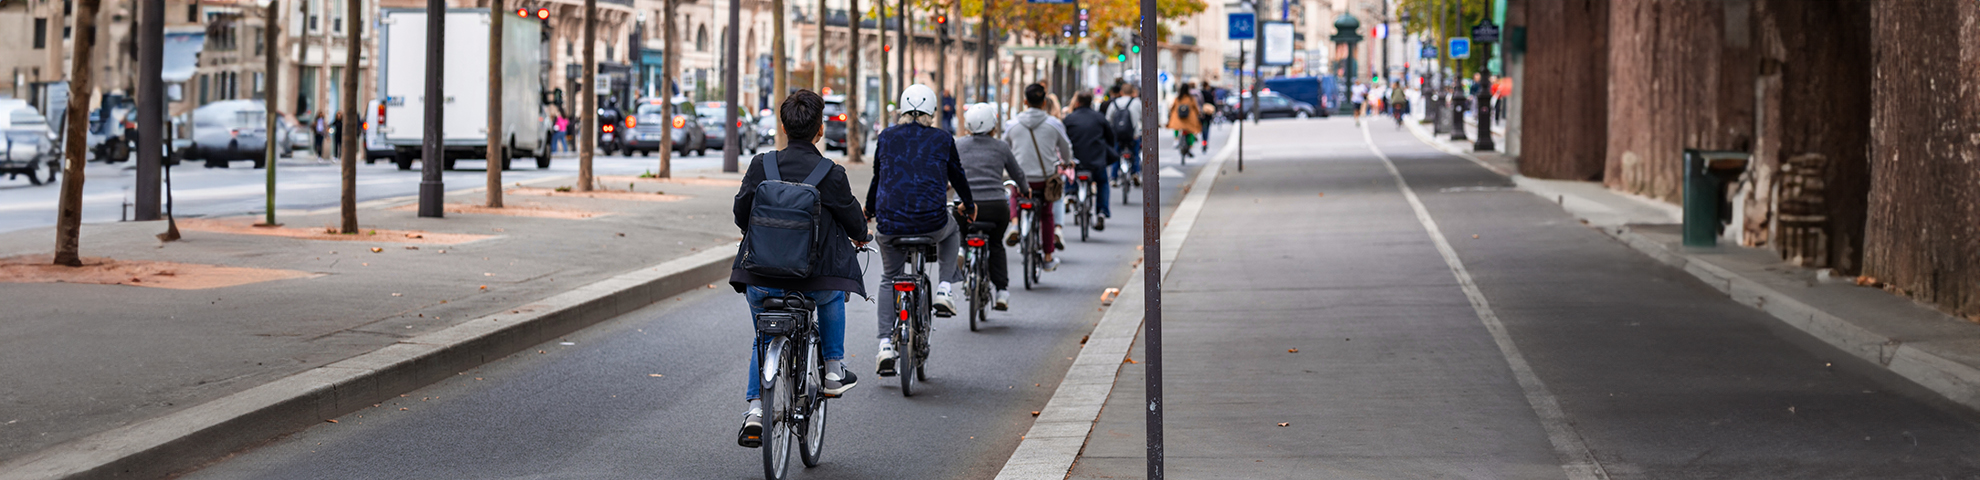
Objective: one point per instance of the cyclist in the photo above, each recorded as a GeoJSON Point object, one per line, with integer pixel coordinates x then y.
{"type": "Point", "coordinates": [1129, 103]}
{"type": "Point", "coordinates": [985, 161]}
{"type": "Point", "coordinates": [914, 165]}
{"type": "Point", "coordinates": [1040, 143]}
{"type": "Point", "coordinates": [1093, 144]}
{"type": "Point", "coordinates": [802, 115]}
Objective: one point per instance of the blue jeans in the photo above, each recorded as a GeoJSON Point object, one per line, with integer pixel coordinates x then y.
{"type": "Point", "coordinates": [1101, 189]}
{"type": "Point", "coordinates": [1134, 160]}
{"type": "Point", "coordinates": [831, 329]}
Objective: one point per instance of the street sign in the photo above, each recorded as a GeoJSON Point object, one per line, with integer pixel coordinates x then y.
{"type": "Point", "coordinates": [1244, 26]}
{"type": "Point", "coordinates": [1485, 32]}
{"type": "Point", "coordinates": [1460, 48]}
{"type": "Point", "coordinates": [1429, 52]}
{"type": "Point", "coordinates": [1278, 48]}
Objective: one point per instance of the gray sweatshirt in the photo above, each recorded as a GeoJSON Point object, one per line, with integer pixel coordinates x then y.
{"type": "Point", "coordinates": [986, 160]}
{"type": "Point", "coordinates": [1052, 142]}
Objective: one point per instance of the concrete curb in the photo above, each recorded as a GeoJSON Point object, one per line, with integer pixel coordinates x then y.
{"type": "Point", "coordinates": [184, 440]}
{"type": "Point", "coordinates": [1947, 364]}
{"type": "Point", "coordinates": [1059, 434]}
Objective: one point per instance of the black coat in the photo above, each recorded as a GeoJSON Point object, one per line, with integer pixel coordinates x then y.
{"type": "Point", "coordinates": [839, 266]}
{"type": "Point", "coordinates": [1092, 139]}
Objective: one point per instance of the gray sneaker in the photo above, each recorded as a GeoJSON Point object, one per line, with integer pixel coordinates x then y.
{"type": "Point", "coordinates": [837, 383]}
{"type": "Point", "coordinates": [751, 435]}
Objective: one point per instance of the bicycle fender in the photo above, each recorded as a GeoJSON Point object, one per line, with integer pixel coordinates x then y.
{"type": "Point", "coordinates": [767, 366]}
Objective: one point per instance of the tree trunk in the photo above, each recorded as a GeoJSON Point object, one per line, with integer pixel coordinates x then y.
{"type": "Point", "coordinates": [818, 69]}
{"type": "Point", "coordinates": [1567, 57]}
{"type": "Point", "coordinates": [667, 90]}
{"type": "Point", "coordinates": [1680, 76]}
{"type": "Point", "coordinates": [496, 150]}
{"type": "Point", "coordinates": [1922, 236]}
{"type": "Point", "coordinates": [353, 126]}
{"type": "Point", "coordinates": [587, 99]}
{"type": "Point", "coordinates": [271, 34]}
{"type": "Point", "coordinates": [75, 152]}
{"type": "Point", "coordinates": [780, 79]}
{"type": "Point", "coordinates": [1816, 104]}
{"type": "Point", "coordinates": [853, 83]}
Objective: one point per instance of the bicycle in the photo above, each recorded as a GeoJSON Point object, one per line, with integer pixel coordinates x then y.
{"type": "Point", "coordinates": [1030, 246]}
{"type": "Point", "coordinates": [793, 372]}
{"type": "Point", "coordinates": [913, 304]}
{"type": "Point", "coordinates": [1127, 179]}
{"type": "Point", "coordinates": [976, 270]}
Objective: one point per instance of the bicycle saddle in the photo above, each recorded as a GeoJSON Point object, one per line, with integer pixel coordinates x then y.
{"type": "Point", "coordinates": [911, 241]}
{"type": "Point", "coordinates": [980, 227]}
{"type": "Point", "coordinates": [799, 302]}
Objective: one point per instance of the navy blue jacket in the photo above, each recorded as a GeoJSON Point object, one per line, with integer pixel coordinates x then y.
{"type": "Point", "coordinates": [838, 267]}
{"type": "Point", "coordinates": [910, 194]}
{"type": "Point", "coordinates": [1092, 139]}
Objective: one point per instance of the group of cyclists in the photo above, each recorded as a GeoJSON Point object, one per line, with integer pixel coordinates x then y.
{"type": "Point", "coordinates": [1031, 159]}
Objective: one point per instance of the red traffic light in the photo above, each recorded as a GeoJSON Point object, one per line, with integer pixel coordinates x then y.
{"type": "Point", "coordinates": [942, 19]}
{"type": "Point", "coordinates": [543, 14]}
{"type": "Point", "coordinates": [522, 12]}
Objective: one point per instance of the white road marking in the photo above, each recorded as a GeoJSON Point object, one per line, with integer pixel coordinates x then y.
{"type": "Point", "coordinates": [1575, 459]}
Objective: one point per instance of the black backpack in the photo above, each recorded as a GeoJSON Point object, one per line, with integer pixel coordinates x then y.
{"type": "Point", "coordinates": [786, 231]}
{"type": "Point", "coordinates": [1122, 122]}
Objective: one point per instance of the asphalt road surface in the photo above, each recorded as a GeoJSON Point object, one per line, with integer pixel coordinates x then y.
{"type": "Point", "coordinates": [658, 393]}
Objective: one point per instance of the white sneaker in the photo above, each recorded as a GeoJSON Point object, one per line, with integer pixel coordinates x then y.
{"type": "Point", "coordinates": [886, 357]}
{"type": "Point", "coordinates": [1052, 266]}
{"type": "Point", "coordinates": [1003, 301]}
{"type": "Point", "coordinates": [945, 304]}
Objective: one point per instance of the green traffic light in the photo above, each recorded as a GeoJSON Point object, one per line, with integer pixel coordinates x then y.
{"type": "Point", "coordinates": [1134, 49]}
{"type": "Point", "coordinates": [1122, 58]}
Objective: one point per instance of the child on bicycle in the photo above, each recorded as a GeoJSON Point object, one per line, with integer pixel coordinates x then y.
{"type": "Point", "coordinates": [914, 166]}
{"type": "Point", "coordinates": [986, 160]}
{"type": "Point", "coordinates": [837, 273]}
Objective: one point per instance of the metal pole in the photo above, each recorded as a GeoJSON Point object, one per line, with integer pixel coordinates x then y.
{"type": "Point", "coordinates": [730, 84]}
{"type": "Point", "coordinates": [432, 191]}
{"type": "Point", "coordinates": [151, 108]}
{"type": "Point", "coordinates": [1455, 83]}
{"type": "Point", "coordinates": [1240, 82]}
{"type": "Point", "coordinates": [270, 32]}
{"type": "Point", "coordinates": [1484, 108]}
{"type": "Point", "coordinates": [1151, 239]}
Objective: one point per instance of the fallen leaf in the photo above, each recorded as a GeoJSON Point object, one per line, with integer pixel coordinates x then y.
{"type": "Point", "coordinates": [410, 247]}
{"type": "Point", "coordinates": [655, 375]}
{"type": "Point", "coordinates": [486, 274]}
{"type": "Point", "coordinates": [1130, 360]}
{"type": "Point", "coordinates": [484, 287]}
{"type": "Point", "coordinates": [376, 249]}
{"type": "Point", "coordinates": [1474, 236]}
{"type": "Point", "coordinates": [333, 420]}
{"type": "Point", "coordinates": [1285, 424]}
{"type": "Point", "coordinates": [1292, 350]}
{"type": "Point", "coordinates": [1034, 413]}
{"type": "Point", "coordinates": [402, 409]}
{"type": "Point", "coordinates": [539, 352]}
{"type": "Point", "coordinates": [711, 285]}
{"type": "Point", "coordinates": [414, 235]}
{"type": "Point", "coordinates": [1323, 194]}
{"type": "Point", "coordinates": [398, 294]}
{"type": "Point", "coordinates": [622, 234]}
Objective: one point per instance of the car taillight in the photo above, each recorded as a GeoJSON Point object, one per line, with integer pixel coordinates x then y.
{"type": "Point", "coordinates": [632, 122]}
{"type": "Point", "coordinates": [608, 128]}
{"type": "Point", "coordinates": [234, 132]}
{"type": "Point", "coordinates": [839, 118]}
{"type": "Point", "coordinates": [680, 122]}
{"type": "Point", "coordinates": [366, 126]}
{"type": "Point", "coordinates": [903, 286]}
{"type": "Point", "coordinates": [975, 241]}
{"type": "Point", "coordinates": [381, 113]}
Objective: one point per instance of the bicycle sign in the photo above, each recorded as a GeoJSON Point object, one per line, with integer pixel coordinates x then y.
{"type": "Point", "coordinates": [1244, 26]}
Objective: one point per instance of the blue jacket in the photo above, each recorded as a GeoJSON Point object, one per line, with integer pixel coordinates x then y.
{"type": "Point", "coordinates": [913, 168]}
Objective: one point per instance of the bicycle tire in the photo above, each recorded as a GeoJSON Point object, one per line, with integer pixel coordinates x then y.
{"type": "Point", "coordinates": [904, 364]}
{"type": "Point", "coordinates": [1028, 247]}
{"type": "Point", "coordinates": [776, 427]}
{"type": "Point", "coordinates": [811, 438]}
{"type": "Point", "coordinates": [1127, 185]}
{"type": "Point", "coordinates": [1086, 212]}
{"type": "Point", "coordinates": [976, 281]}
{"type": "Point", "coordinates": [923, 328]}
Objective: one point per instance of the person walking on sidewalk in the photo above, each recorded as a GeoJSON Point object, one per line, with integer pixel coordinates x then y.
{"type": "Point", "coordinates": [837, 272]}
{"type": "Point", "coordinates": [1093, 144]}
{"type": "Point", "coordinates": [914, 166]}
{"type": "Point", "coordinates": [1040, 143]}
{"type": "Point", "coordinates": [1359, 95]}
{"type": "Point", "coordinates": [1208, 115]}
{"type": "Point", "coordinates": [1184, 119]}
{"type": "Point", "coordinates": [987, 161]}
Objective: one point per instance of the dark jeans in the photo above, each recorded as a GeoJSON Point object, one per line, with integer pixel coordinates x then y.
{"type": "Point", "coordinates": [996, 212]}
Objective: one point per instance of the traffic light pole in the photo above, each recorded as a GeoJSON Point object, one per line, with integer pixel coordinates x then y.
{"type": "Point", "coordinates": [1151, 240]}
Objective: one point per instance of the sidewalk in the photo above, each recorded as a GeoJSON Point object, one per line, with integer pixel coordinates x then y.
{"type": "Point", "coordinates": [1935, 350]}
{"type": "Point", "coordinates": [149, 381]}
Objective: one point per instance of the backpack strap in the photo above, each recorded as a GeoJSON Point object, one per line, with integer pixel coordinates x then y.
{"type": "Point", "coordinates": [818, 173]}
{"type": "Point", "coordinates": [770, 167]}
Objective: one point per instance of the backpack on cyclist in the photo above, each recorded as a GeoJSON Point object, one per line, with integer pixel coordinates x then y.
{"type": "Point", "coordinates": [786, 233]}
{"type": "Point", "coordinates": [1122, 121]}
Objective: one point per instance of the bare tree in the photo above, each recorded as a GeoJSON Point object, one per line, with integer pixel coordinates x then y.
{"type": "Point", "coordinates": [852, 80]}
{"type": "Point", "coordinates": [587, 96]}
{"type": "Point", "coordinates": [777, 55]}
{"type": "Point", "coordinates": [353, 125]}
{"type": "Point", "coordinates": [496, 153]}
{"type": "Point", "coordinates": [68, 216]}
{"type": "Point", "coordinates": [667, 66]}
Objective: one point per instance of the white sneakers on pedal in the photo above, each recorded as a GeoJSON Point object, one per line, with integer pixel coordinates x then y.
{"type": "Point", "coordinates": [945, 304]}
{"type": "Point", "coordinates": [751, 435]}
{"type": "Point", "coordinates": [886, 357]}
{"type": "Point", "coordinates": [1052, 265]}
{"type": "Point", "coordinates": [1003, 301]}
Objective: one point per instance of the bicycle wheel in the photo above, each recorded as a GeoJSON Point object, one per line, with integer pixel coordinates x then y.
{"type": "Point", "coordinates": [904, 364]}
{"type": "Point", "coordinates": [811, 435]}
{"type": "Point", "coordinates": [1028, 249]}
{"type": "Point", "coordinates": [975, 287]}
{"type": "Point", "coordinates": [923, 328]}
{"type": "Point", "coordinates": [1087, 197]}
{"type": "Point", "coordinates": [1127, 184]}
{"type": "Point", "coordinates": [776, 423]}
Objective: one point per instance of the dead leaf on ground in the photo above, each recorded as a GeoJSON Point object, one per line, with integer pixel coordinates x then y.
{"type": "Point", "coordinates": [376, 249]}
{"type": "Point", "coordinates": [1034, 413]}
{"type": "Point", "coordinates": [1285, 424]}
{"type": "Point", "coordinates": [1129, 360]}
{"type": "Point", "coordinates": [333, 420]}
{"type": "Point", "coordinates": [655, 375]}
{"type": "Point", "coordinates": [1292, 350]}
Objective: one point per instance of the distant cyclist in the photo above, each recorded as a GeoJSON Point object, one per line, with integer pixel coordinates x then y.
{"type": "Point", "coordinates": [987, 161]}
{"type": "Point", "coordinates": [1093, 144]}
{"type": "Point", "coordinates": [1040, 143]}
{"type": "Point", "coordinates": [837, 272]}
{"type": "Point", "coordinates": [914, 166]}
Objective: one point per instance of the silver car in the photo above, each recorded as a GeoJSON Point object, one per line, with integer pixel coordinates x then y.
{"type": "Point", "coordinates": [27, 146]}
{"type": "Point", "coordinates": [228, 131]}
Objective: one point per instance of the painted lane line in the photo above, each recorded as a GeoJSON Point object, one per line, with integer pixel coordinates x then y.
{"type": "Point", "coordinates": [1572, 451]}
{"type": "Point", "coordinates": [1059, 434]}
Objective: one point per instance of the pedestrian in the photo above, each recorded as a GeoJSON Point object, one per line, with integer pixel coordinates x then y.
{"type": "Point", "coordinates": [317, 128]}
{"type": "Point", "coordinates": [1040, 143]}
{"type": "Point", "coordinates": [837, 271]}
{"type": "Point", "coordinates": [1358, 94]}
{"type": "Point", "coordinates": [1126, 111]}
{"type": "Point", "coordinates": [337, 136]}
{"type": "Point", "coordinates": [987, 161]}
{"type": "Point", "coordinates": [1209, 112]}
{"type": "Point", "coordinates": [949, 114]}
{"type": "Point", "coordinates": [561, 140]}
{"type": "Point", "coordinates": [1185, 120]}
{"type": "Point", "coordinates": [914, 167]}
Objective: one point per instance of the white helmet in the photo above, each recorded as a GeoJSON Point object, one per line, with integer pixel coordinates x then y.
{"type": "Point", "coordinates": [980, 118]}
{"type": "Point", "coordinates": [919, 98]}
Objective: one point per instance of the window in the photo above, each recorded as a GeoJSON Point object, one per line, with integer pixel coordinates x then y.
{"type": "Point", "coordinates": [701, 38]}
{"type": "Point", "coordinates": [192, 13]}
{"type": "Point", "coordinates": [202, 89]}
{"type": "Point", "coordinates": [40, 33]}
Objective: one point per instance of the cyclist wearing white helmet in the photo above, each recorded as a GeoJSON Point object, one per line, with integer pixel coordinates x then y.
{"type": "Point", "coordinates": [914, 166]}
{"type": "Point", "coordinates": [986, 160]}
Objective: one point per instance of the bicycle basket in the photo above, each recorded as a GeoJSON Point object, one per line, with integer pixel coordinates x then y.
{"type": "Point", "coordinates": [779, 323]}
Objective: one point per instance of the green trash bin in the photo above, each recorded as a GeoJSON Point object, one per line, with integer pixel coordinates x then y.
{"type": "Point", "coordinates": [1706, 209]}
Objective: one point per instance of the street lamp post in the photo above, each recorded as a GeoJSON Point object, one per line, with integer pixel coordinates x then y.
{"type": "Point", "coordinates": [1347, 31]}
{"type": "Point", "coordinates": [432, 193]}
{"type": "Point", "coordinates": [1456, 81]}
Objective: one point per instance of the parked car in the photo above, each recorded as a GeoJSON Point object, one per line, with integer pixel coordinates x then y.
{"type": "Point", "coordinates": [1269, 105]}
{"type": "Point", "coordinates": [228, 131]}
{"type": "Point", "coordinates": [645, 128]}
{"type": "Point", "coordinates": [835, 122]}
{"type": "Point", "coordinates": [27, 146]}
{"type": "Point", "coordinates": [715, 121]}
{"type": "Point", "coordinates": [766, 124]}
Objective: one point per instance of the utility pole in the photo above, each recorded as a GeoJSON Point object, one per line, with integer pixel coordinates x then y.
{"type": "Point", "coordinates": [853, 82]}
{"type": "Point", "coordinates": [432, 192]}
{"type": "Point", "coordinates": [151, 108]}
{"type": "Point", "coordinates": [587, 95]}
{"type": "Point", "coordinates": [496, 15]}
{"type": "Point", "coordinates": [672, 46]}
{"type": "Point", "coordinates": [1151, 240]}
{"type": "Point", "coordinates": [730, 85]}
{"type": "Point", "coordinates": [270, 32]}
{"type": "Point", "coordinates": [818, 68]}
{"type": "Point", "coordinates": [1484, 109]}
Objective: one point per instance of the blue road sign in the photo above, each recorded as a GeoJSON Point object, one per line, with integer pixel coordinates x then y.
{"type": "Point", "coordinates": [1244, 26]}
{"type": "Point", "coordinates": [1460, 47]}
{"type": "Point", "coordinates": [1429, 52]}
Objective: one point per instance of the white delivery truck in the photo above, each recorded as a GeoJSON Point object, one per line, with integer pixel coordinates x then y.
{"type": "Point", "coordinates": [464, 118]}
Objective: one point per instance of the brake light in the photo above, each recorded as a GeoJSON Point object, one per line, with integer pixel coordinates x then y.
{"type": "Point", "coordinates": [381, 113]}
{"type": "Point", "coordinates": [739, 123]}
{"type": "Point", "coordinates": [235, 132]}
{"type": "Point", "coordinates": [839, 118]}
{"type": "Point", "coordinates": [680, 121]}
{"type": "Point", "coordinates": [1082, 178]}
{"type": "Point", "coordinates": [608, 128]}
{"type": "Point", "coordinates": [366, 126]}
{"type": "Point", "coordinates": [975, 241]}
{"type": "Point", "coordinates": [632, 122]}
{"type": "Point", "coordinates": [903, 286]}
{"type": "Point", "coordinates": [1024, 205]}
